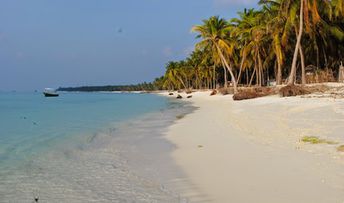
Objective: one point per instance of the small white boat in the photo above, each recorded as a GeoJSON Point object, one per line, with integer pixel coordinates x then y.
{"type": "Point", "coordinates": [50, 92]}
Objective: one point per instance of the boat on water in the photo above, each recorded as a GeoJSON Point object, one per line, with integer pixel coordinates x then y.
{"type": "Point", "coordinates": [50, 92]}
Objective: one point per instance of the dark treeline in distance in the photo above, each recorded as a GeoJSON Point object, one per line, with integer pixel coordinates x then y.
{"type": "Point", "coordinates": [110, 88]}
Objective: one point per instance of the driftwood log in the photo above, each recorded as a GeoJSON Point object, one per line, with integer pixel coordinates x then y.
{"type": "Point", "coordinates": [293, 90]}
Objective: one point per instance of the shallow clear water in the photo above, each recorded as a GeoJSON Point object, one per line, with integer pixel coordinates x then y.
{"type": "Point", "coordinates": [85, 147]}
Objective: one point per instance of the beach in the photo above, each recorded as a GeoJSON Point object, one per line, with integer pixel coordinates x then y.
{"type": "Point", "coordinates": [252, 150]}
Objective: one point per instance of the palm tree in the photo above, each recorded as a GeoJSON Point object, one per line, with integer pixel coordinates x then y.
{"type": "Point", "coordinates": [174, 75]}
{"type": "Point", "coordinates": [275, 28]}
{"type": "Point", "coordinates": [259, 40]}
{"type": "Point", "coordinates": [195, 62]}
{"type": "Point", "coordinates": [214, 33]}
{"type": "Point", "coordinates": [309, 16]}
{"type": "Point", "coordinates": [310, 20]}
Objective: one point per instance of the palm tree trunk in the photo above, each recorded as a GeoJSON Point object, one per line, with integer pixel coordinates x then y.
{"type": "Point", "coordinates": [325, 57]}
{"type": "Point", "coordinates": [291, 80]}
{"type": "Point", "coordinates": [267, 77]}
{"type": "Point", "coordinates": [260, 67]}
{"type": "Point", "coordinates": [247, 77]}
{"type": "Point", "coordinates": [229, 69]}
{"type": "Point", "coordinates": [182, 82]}
{"type": "Point", "coordinates": [224, 75]}
{"type": "Point", "coordinates": [214, 76]}
{"type": "Point", "coordinates": [241, 67]}
{"type": "Point", "coordinates": [279, 73]}
{"type": "Point", "coordinates": [303, 71]}
{"type": "Point", "coordinates": [256, 71]}
{"type": "Point", "coordinates": [251, 80]}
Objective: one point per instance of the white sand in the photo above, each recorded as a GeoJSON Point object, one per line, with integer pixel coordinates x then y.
{"type": "Point", "coordinates": [250, 151]}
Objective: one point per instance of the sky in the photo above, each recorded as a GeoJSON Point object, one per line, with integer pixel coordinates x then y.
{"type": "Point", "coordinates": [54, 43]}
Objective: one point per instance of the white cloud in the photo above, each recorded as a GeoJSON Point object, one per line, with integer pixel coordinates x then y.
{"type": "Point", "coordinates": [220, 3]}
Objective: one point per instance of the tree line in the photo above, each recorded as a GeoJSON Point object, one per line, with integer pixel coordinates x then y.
{"type": "Point", "coordinates": [275, 44]}
{"type": "Point", "coordinates": [110, 88]}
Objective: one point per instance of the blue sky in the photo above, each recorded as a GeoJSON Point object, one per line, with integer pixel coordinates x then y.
{"type": "Point", "coordinates": [52, 43]}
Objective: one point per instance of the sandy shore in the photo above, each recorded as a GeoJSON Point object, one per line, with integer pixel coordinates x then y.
{"type": "Point", "coordinates": [251, 151]}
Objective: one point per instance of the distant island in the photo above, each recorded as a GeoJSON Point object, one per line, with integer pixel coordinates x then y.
{"type": "Point", "coordinates": [111, 88]}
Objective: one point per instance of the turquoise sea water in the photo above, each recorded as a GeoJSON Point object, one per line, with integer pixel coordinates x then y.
{"type": "Point", "coordinates": [69, 148]}
{"type": "Point", "coordinates": [31, 123]}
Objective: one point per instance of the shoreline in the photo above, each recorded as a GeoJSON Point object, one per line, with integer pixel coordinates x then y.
{"type": "Point", "coordinates": [251, 151]}
{"type": "Point", "coordinates": [122, 160]}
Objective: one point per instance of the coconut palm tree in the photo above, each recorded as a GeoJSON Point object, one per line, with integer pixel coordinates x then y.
{"type": "Point", "coordinates": [214, 33]}
{"type": "Point", "coordinates": [252, 32]}
{"type": "Point", "coordinates": [275, 28]}
{"type": "Point", "coordinates": [308, 16]}
{"type": "Point", "coordinates": [175, 75]}
{"type": "Point", "coordinates": [262, 40]}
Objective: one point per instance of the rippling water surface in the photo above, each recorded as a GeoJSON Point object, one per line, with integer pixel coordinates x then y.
{"type": "Point", "coordinates": [86, 147]}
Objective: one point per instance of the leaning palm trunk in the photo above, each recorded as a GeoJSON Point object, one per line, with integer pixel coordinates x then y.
{"type": "Point", "coordinates": [303, 71]}
{"type": "Point", "coordinates": [241, 68]}
{"type": "Point", "coordinates": [229, 69]}
{"type": "Point", "coordinates": [251, 80]}
{"type": "Point", "coordinates": [182, 82]}
{"type": "Point", "coordinates": [291, 80]}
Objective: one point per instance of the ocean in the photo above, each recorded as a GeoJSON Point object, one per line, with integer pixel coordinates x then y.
{"type": "Point", "coordinates": [87, 147]}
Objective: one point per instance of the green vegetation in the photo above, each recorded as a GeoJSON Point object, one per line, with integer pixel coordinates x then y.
{"type": "Point", "coordinates": [340, 148]}
{"type": "Point", "coordinates": [316, 140]}
{"type": "Point", "coordinates": [139, 87]}
{"type": "Point", "coordinates": [279, 42]}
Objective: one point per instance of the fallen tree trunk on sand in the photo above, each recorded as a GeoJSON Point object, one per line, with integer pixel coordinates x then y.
{"type": "Point", "coordinates": [251, 93]}
{"type": "Point", "coordinates": [293, 90]}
